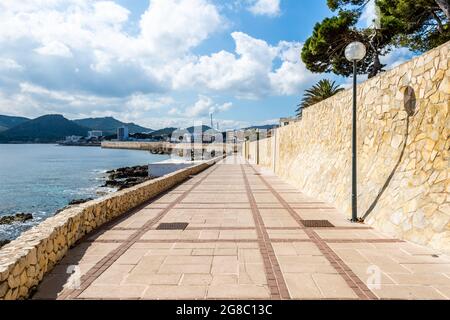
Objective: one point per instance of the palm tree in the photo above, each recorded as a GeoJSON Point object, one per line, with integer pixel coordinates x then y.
{"type": "Point", "coordinates": [319, 92]}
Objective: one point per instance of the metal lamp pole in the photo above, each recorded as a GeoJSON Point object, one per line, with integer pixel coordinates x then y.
{"type": "Point", "coordinates": [355, 52]}
{"type": "Point", "coordinates": [354, 149]}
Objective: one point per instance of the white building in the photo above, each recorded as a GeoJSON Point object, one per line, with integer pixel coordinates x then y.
{"type": "Point", "coordinates": [122, 133]}
{"type": "Point", "coordinates": [73, 138]}
{"type": "Point", "coordinates": [95, 134]}
{"type": "Point", "coordinates": [288, 121]}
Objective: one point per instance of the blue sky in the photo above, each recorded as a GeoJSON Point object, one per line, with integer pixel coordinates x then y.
{"type": "Point", "coordinates": [160, 62]}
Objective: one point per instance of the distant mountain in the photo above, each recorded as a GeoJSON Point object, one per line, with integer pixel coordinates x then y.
{"type": "Point", "coordinates": [7, 122]}
{"type": "Point", "coordinates": [170, 130]}
{"type": "Point", "coordinates": [48, 128]}
{"type": "Point", "coordinates": [163, 132]}
{"type": "Point", "coordinates": [264, 127]}
{"type": "Point", "coordinates": [109, 125]}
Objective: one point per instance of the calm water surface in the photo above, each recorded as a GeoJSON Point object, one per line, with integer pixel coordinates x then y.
{"type": "Point", "coordinates": [41, 178]}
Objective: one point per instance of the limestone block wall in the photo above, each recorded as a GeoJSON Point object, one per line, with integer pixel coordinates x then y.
{"type": "Point", "coordinates": [25, 261]}
{"type": "Point", "coordinates": [266, 152]}
{"type": "Point", "coordinates": [135, 145]}
{"type": "Point", "coordinates": [403, 150]}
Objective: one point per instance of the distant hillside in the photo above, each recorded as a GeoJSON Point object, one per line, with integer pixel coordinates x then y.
{"type": "Point", "coordinates": [7, 122]}
{"type": "Point", "coordinates": [48, 128]}
{"type": "Point", "coordinates": [163, 132]}
{"type": "Point", "coordinates": [109, 125]}
{"type": "Point", "coordinates": [264, 127]}
{"type": "Point", "coordinates": [170, 130]}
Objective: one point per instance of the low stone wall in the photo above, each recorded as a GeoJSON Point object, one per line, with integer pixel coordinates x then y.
{"type": "Point", "coordinates": [403, 150]}
{"type": "Point", "coordinates": [136, 145]}
{"type": "Point", "coordinates": [25, 261]}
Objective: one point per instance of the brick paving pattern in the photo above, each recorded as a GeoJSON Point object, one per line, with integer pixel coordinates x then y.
{"type": "Point", "coordinates": [246, 238]}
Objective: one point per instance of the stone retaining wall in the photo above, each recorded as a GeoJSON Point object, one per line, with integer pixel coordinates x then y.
{"type": "Point", "coordinates": [25, 261]}
{"type": "Point", "coordinates": [137, 145]}
{"type": "Point", "coordinates": [403, 150]}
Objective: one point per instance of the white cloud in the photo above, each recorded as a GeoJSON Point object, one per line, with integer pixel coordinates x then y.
{"type": "Point", "coordinates": [9, 64]}
{"type": "Point", "coordinates": [144, 102]}
{"type": "Point", "coordinates": [110, 12]}
{"type": "Point", "coordinates": [249, 72]}
{"type": "Point", "coordinates": [203, 107]}
{"type": "Point", "coordinates": [245, 74]}
{"type": "Point", "coordinates": [168, 28]}
{"type": "Point", "coordinates": [55, 48]}
{"type": "Point", "coordinates": [172, 27]}
{"type": "Point", "coordinates": [102, 62]}
{"type": "Point", "coordinates": [292, 75]}
{"type": "Point", "coordinates": [396, 57]}
{"type": "Point", "coordinates": [269, 8]}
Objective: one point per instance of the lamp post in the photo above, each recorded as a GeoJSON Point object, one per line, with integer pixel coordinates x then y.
{"type": "Point", "coordinates": [355, 52]}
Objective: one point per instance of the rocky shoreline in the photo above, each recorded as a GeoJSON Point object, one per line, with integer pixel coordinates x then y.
{"type": "Point", "coordinates": [16, 218]}
{"type": "Point", "coordinates": [127, 177]}
{"type": "Point", "coordinates": [119, 179]}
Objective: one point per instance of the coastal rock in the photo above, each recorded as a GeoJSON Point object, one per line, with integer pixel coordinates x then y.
{"type": "Point", "coordinates": [18, 217]}
{"type": "Point", "coordinates": [79, 201]}
{"type": "Point", "coordinates": [4, 242]}
{"type": "Point", "coordinates": [126, 172]}
{"type": "Point", "coordinates": [127, 177]}
{"type": "Point", "coordinates": [73, 203]}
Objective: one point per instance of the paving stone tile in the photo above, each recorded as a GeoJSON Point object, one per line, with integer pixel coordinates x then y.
{"type": "Point", "coordinates": [408, 292]}
{"type": "Point", "coordinates": [238, 292]}
{"type": "Point", "coordinates": [153, 279]}
{"type": "Point", "coordinates": [225, 265]}
{"type": "Point", "coordinates": [443, 290]}
{"type": "Point", "coordinates": [114, 275]}
{"type": "Point", "coordinates": [175, 292]}
{"type": "Point", "coordinates": [428, 279]}
{"type": "Point", "coordinates": [149, 264]}
{"type": "Point", "coordinates": [225, 279]}
{"type": "Point", "coordinates": [132, 256]}
{"type": "Point", "coordinates": [184, 268]}
{"type": "Point", "coordinates": [187, 260]}
{"type": "Point", "coordinates": [302, 286]}
{"type": "Point", "coordinates": [333, 286]}
{"type": "Point", "coordinates": [196, 279]}
{"type": "Point", "coordinates": [202, 252]}
{"type": "Point", "coordinates": [115, 292]}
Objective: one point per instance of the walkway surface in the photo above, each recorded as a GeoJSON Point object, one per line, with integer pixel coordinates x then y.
{"type": "Point", "coordinates": [249, 236]}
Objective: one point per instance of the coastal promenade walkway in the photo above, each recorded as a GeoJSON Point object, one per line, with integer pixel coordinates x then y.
{"type": "Point", "coordinates": [249, 235]}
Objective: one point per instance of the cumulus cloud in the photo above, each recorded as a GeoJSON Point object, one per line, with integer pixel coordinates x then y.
{"type": "Point", "coordinates": [370, 15]}
{"type": "Point", "coordinates": [92, 32]}
{"type": "Point", "coordinates": [172, 27]}
{"type": "Point", "coordinates": [269, 8]}
{"type": "Point", "coordinates": [9, 64]}
{"type": "Point", "coordinates": [203, 107]}
{"type": "Point", "coordinates": [248, 73]}
{"type": "Point", "coordinates": [396, 57]}
{"type": "Point", "coordinates": [54, 48]}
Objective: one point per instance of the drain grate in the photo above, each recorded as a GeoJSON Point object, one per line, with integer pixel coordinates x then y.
{"type": "Point", "coordinates": [317, 224]}
{"type": "Point", "coordinates": [172, 226]}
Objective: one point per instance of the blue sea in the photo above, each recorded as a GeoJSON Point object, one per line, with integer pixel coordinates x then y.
{"type": "Point", "coordinates": [42, 178]}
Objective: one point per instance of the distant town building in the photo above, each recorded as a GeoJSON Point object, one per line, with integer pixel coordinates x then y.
{"type": "Point", "coordinates": [288, 121]}
{"type": "Point", "coordinates": [122, 133]}
{"type": "Point", "coordinates": [95, 134]}
{"type": "Point", "coordinates": [73, 138]}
